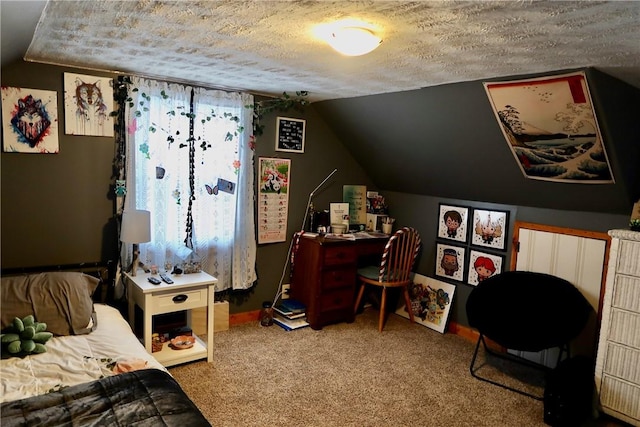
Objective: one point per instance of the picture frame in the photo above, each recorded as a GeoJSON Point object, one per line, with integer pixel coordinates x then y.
{"type": "Point", "coordinates": [551, 127]}
{"type": "Point", "coordinates": [88, 103]}
{"type": "Point", "coordinates": [453, 222]}
{"type": "Point", "coordinates": [274, 180]}
{"type": "Point", "coordinates": [490, 228]}
{"type": "Point", "coordinates": [290, 134]}
{"type": "Point", "coordinates": [18, 135]}
{"type": "Point", "coordinates": [450, 261]}
{"type": "Point", "coordinates": [483, 265]}
{"type": "Point", "coordinates": [431, 302]}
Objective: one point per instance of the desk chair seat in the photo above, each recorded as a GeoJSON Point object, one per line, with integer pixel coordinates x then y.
{"type": "Point", "coordinates": [394, 271]}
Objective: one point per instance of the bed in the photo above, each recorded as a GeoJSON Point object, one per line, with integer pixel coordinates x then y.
{"type": "Point", "coordinates": [94, 370]}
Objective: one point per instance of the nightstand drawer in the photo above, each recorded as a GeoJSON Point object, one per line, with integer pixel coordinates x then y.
{"type": "Point", "coordinates": [625, 328]}
{"type": "Point", "coordinates": [179, 300]}
{"type": "Point", "coordinates": [626, 294]}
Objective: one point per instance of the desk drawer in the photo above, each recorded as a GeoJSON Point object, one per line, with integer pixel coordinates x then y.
{"type": "Point", "coordinates": [179, 300]}
{"type": "Point", "coordinates": [339, 255]}
{"type": "Point", "coordinates": [334, 278]}
{"type": "Point", "coordinates": [337, 300]}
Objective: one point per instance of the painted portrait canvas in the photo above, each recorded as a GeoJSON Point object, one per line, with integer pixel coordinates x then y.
{"type": "Point", "coordinates": [29, 120]}
{"type": "Point", "coordinates": [551, 128]}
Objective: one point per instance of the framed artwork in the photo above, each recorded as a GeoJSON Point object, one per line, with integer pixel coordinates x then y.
{"type": "Point", "coordinates": [450, 261]}
{"type": "Point", "coordinates": [551, 128]}
{"type": "Point", "coordinates": [431, 301]}
{"type": "Point", "coordinates": [29, 120]}
{"type": "Point", "coordinates": [273, 199]}
{"type": "Point", "coordinates": [290, 134]}
{"type": "Point", "coordinates": [483, 265]}
{"type": "Point", "coordinates": [490, 229]}
{"type": "Point", "coordinates": [88, 103]}
{"type": "Point", "coordinates": [452, 222]}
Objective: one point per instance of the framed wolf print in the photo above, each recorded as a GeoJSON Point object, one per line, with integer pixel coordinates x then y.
{"type": "Point", "coordinates": [431, 301]}
{"type": "Point", "coordinates": [490, 229]}
{"type": "Point", "coordinates": [88, 103]}
{"type": "Point", "coordinates": [450, 261]}
{"type": "Point", "coordinates": [452, 222]}
{"type": "Point", "coordinates": [29, 120]}
{"type": "Point", "coordinates": [483, 265]}
{"type": "Point", "coordinates": [551, 128]}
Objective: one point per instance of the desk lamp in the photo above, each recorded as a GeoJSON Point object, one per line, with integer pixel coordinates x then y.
{"type": "Point", "coordinates": [136, 228]}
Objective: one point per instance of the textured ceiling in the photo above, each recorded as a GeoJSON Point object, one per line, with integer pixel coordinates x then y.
{"type": "Point", "coordinates": [268, 47]}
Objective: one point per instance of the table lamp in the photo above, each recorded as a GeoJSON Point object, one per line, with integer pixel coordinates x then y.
{"type": "Point", "coordinates": [136, 228]}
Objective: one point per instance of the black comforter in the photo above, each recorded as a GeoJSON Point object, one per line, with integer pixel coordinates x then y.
{"type": "Point", "coordinates": [147, 397]}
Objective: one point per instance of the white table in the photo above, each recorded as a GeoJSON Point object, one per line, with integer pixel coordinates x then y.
{"type": "Point", "coordinates": [188, 291]}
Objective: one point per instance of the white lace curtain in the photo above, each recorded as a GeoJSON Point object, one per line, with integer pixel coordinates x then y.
{"type": "Point", "coordinates": [158, 177]}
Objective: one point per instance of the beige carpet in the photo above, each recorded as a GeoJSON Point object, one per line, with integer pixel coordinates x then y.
{"type": "Point", "coordinates": [352, 375]}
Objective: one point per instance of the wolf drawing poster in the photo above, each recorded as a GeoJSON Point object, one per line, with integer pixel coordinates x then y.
{"type": "Point", "coordinates": [88, 103]}
{"type": "Point", "coordinates": [29, 120]}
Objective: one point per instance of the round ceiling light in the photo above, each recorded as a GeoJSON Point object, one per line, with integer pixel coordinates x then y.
{"type": "Point", "coordinates": [353, 41]}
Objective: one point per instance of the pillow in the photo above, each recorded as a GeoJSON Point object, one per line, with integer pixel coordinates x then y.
{"type": "Point", "coordinates": [60, 299]}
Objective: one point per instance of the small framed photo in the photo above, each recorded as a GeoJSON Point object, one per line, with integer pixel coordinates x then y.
{"type": "Point", "coordinates": [483, 265]}
{"type": "Point", "coordinates": [431, 301]}
{"type": "Point", "coordinates": [450, 261]}
{"type": "Point", "coordinates": [452, 222]}
{"type": "Point", "coordinates": [290, 135]}
{"type": "Point", "coordinates": [490, 229]}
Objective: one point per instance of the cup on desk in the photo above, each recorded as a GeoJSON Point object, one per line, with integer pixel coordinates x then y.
{"type": "Point", "coordinates": [387, 228]}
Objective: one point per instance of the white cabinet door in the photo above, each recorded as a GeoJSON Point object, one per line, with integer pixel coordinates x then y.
{"type": "Point", "coordinates": [575, 258]}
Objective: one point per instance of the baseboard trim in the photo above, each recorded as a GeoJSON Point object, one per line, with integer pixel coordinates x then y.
{"type": "Point", "coordinates": [463, 331]}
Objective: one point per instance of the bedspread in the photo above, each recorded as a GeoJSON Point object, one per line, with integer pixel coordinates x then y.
{"type": "Point", "coordinates": [148, 397]}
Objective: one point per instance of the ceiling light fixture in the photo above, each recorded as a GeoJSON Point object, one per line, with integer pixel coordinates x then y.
{"type": "Point", "coordinates": [353, 41]}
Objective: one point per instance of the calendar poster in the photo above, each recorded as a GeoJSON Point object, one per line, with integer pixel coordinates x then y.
{"type": "Point", "coordinates": [273, 200]}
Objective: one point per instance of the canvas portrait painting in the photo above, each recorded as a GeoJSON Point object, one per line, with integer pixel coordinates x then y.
{"type": "Point", "coordinates": [29, 120]}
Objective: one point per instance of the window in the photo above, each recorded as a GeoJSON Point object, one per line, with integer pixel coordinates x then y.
{"type": "Point", "coordinates": [189, 162]}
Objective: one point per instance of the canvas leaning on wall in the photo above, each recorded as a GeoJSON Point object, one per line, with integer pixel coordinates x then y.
{"type": "Point", "coordinates": [431, 301]}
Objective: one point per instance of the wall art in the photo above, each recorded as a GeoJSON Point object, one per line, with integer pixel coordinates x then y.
{"type": "Point", "coordinates": [88, 103]}
{"type": "Point", "coordinates": [452, 222]}
{"type": "Point", "coordinates": [290, 135]}
{"type": "Point", "coordinates": [450, 261]}
{"type": "Point", "coordinates": [431, 301]}
{"type": "Point", "coordinates": [490, 228]}
{"type": "Point", "coordinates": [29, 120]}
{"type": "Point", "coordinates": [483, 265]}
{"type": "Point", "coordinates": [551, 128]}
{"type": "Point", "coordinates": [273, 199]}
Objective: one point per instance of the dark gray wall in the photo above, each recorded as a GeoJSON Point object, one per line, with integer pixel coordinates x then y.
{"type": "Point", "coordinates": [445, 141]}
{"type": "Point", "coordinates": [58, 209]}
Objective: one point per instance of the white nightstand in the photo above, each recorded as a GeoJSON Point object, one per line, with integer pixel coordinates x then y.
{"type": "Point", "coordinates": [187, 291]}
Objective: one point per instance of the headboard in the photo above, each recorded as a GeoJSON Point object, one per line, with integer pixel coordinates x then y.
{"type": "Point", "coordinates": [105, 271]}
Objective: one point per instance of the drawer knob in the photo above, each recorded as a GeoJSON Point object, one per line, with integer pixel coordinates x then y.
{"type": "Point", "coordinates": [180, 298]}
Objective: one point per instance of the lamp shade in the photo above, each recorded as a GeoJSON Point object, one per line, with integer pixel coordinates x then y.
{"type": "Point", "coordinates": [353, 41]}
{"type": "Point", "coordinates": [136, 226]}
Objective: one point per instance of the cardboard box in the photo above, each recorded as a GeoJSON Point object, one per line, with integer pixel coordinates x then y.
{"type": "Point", "coordinates": [220, 316]}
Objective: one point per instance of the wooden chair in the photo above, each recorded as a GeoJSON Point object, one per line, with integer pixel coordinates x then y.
{"type": "Point", "coordinates": [394, 271]}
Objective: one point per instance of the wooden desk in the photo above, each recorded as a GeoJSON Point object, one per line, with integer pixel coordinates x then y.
{"type": "Point", "coordinates": [324, 276]}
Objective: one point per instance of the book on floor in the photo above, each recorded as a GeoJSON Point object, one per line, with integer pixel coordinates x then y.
{"type": "Point", "coordinates": [288, 313]}
{"type": "Point", "coordinates": [289, 324]}
{"type": "Point", "coordinates": [292, 306]}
